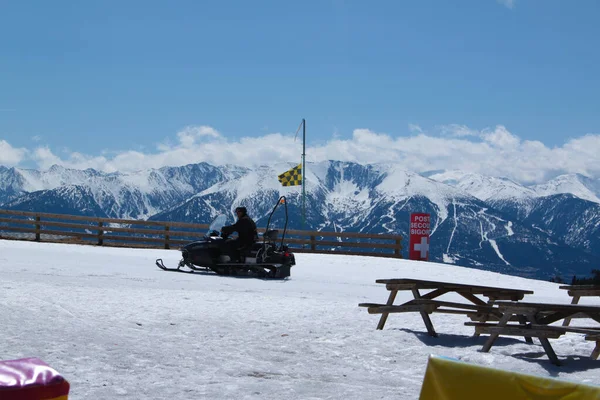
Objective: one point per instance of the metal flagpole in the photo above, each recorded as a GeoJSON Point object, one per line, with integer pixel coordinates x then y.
{"type": "Point", "coordinates": [303, 172]}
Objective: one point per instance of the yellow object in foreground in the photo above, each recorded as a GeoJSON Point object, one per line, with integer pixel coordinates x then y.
{"type": "Point", "coordinates": [447, 379]}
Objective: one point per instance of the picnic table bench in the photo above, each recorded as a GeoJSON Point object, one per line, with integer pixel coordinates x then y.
{"type": "Point", "coordinates": [577, 292]}
{"type": "Point", "coordinates": [425, 304]}
{"type": "Point", "coordinates": [538, 317]}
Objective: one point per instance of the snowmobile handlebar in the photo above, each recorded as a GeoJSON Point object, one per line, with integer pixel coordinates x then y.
{"type": "Point", "coordinates": [282, 200]}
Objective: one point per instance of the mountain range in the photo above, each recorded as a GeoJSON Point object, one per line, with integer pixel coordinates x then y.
{"type": "Point", "coordinates": [542, 231]}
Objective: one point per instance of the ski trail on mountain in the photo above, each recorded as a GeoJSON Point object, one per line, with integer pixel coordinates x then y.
{"type": "Point", "coordinates": [438, 222]}
{"type": "Point", "coordinates": [483, 235]}
{"type": "Point", "coordinates": [497, 250]}
{"type": "Point", "coordinates": [390, 213]}
{"type": "Point", "coordinates": [455, 225]}
{"type": "Point", "coordinates": [509, 228]}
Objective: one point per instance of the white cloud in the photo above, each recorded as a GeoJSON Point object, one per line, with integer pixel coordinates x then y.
{"type": "Point", "coordinates": [415, 128]}
{"type": "Point", "coordinates": [11, 156]}
{"type": "Point", "coordinates": [189, 135]}
{"type": "Point", "coordinates": [493, 151]}
{"type": "Point", "coordinates": [336, 133]}
{"type": "Point", "coordinates": [44, 157]}
{"type": "Point", "coordinates": [508, 3]}
{"type": "Point", "coordinates": [458, 130]}
{"type": "Point", "coordinates": [500, 138]}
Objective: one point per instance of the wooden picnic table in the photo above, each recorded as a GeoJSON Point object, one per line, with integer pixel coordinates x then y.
{"type": "Point", "coordinates": [577, 292]}
{"type": "Point", "coordinates": [538, 318]}
{"type": "Point", "coordinates": [478, 309]}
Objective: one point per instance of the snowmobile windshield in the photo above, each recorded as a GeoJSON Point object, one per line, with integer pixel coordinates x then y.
{"type": "Point", "coordinates": [216, 225]}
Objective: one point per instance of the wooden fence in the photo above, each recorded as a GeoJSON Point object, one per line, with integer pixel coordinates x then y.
{"type": "Point", "coordinates": [158, 234]}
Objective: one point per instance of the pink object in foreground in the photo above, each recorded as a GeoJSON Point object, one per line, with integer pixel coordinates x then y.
{"type": "Point", "coordinates": [31, 379]}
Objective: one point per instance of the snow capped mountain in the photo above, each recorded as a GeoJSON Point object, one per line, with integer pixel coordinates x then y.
{"type": "Point", "coordinates": [579, 185]}
{"type": "Point", "coordinates": [69, 199]}
{"type": "Point", "coordinates": [484, 187]}
{"type": "Point", "coordinates": [257, 189]}
{"type": "Point", "coordinates": [400, 185]}
{"type": "Point", "coordinates": [134, 195]}
{"type": "Point", "coordinates": [482, 222]}
{"type": "Point", "coordinates": [566, 208]}
{"type": "Point", "coordinates": [574, 220]}
{"type": "Point", "coordinates": [11, 184]}
{"type": "Point", "coordinates": [493, 188]}
{"type": "Point", "coordinates": [340, 195]}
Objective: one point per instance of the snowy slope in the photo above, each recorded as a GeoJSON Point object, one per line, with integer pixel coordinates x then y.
{"type": "Point", "coordinates": [483, 187]}
{"type": "Point", "coordinates": [120, 195]}
{"type": "Point", "coordinates": [581, 186]}
{"type": "Point", "coordinates": [490, 188]}
{"type": "Point", "coordinates": [118, 327]}
{"type": "Point", "coordinates": [67, 199]}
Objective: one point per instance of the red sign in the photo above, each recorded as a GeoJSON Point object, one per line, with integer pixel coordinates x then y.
{"type": "Point", "coordinates": [419, 236]}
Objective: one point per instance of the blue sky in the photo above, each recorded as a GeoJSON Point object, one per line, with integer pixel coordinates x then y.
{"type": "Point", "coordinates": [84, 82]}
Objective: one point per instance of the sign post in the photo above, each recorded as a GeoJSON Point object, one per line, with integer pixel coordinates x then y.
{"type": "Point", "coordinates": [419, 236]}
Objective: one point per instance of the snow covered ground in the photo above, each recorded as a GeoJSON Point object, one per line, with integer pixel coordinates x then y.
{"type": "Point", "coordinates": [118, 327]}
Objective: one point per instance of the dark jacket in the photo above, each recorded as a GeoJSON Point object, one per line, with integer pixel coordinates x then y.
{"type": "Point", "coordinates": [246, 229]}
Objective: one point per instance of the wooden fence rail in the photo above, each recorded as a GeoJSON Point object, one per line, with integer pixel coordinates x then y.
{"type": "Point", "coordinates": [164, 234]}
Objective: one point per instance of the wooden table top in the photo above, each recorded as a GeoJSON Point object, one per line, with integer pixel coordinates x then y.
{"type": "Point", "coordinates": [427, 284]}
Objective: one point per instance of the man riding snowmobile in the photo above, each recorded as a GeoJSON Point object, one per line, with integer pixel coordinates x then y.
{"type": "Point", "coordinates": [247, 234]}
{"type": "Point", "coordinates": [261, 258]}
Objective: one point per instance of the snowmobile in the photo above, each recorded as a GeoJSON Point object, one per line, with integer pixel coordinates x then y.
{"type": "Point", "coordinates": [264, 259]}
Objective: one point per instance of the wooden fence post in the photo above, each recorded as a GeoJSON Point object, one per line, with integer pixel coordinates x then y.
{"type": "Point", "coordinates": [100, 234]}
{"type": "Point", "coordinates": [167, 237]}
{"type": "Point", "coordinates": [398, 247]}
{"type": "Point", "coordinates": [313, 246]}
{"type": "Point", "coordinates": [37, 228]}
